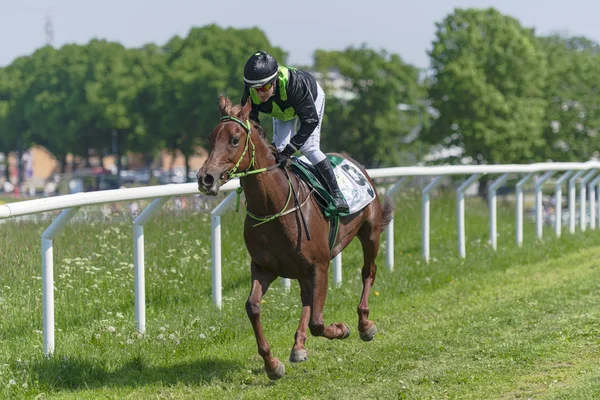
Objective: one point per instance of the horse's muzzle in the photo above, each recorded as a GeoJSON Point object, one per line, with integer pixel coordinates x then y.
{"type": "Point", "coordinates": [207, 183]}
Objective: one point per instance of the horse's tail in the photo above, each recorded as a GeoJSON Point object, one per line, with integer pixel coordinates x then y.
{"type": "Point", "coordinates": [387, 211]}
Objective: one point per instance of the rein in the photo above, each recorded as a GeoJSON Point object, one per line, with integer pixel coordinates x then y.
{"type": "Point", "coordinates": [232, 173]}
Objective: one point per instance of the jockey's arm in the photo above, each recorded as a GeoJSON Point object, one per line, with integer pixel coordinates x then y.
{"type": "Point", "coordinates": [304, 106]}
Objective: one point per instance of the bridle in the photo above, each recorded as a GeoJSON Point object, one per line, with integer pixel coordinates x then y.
{"type": "Point", "coordinates": [232, 173]}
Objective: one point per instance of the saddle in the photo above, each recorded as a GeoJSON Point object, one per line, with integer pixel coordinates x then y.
{"type": "Point", "coordinates": [355, 186]}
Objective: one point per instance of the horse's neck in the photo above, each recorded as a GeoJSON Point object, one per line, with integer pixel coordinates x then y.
{"type": "Point", "coordinates": [266, 192]}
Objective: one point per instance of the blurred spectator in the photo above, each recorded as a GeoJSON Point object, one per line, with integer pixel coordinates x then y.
{"type": "Point", "coordinates": [8, 187]}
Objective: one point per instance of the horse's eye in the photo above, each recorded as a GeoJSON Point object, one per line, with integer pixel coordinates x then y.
{"type": "Point", "coordinates": [235, 141]}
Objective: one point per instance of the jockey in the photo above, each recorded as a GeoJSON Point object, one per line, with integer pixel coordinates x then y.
{"type": "Point", "coordinates": [290, 96]}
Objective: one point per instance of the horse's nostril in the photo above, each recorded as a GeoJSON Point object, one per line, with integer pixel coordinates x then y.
{"type": "Point", "coordinates": [208, 180]}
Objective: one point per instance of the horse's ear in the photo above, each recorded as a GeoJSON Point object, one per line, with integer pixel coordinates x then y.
{"type": "Point", "coordinates": [247, 108]}
{"type": "Point", "coordinates": [224, 105]}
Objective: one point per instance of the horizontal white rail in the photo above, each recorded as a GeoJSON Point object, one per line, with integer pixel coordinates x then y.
{"type": "Point", "coordinates": [182, 189]}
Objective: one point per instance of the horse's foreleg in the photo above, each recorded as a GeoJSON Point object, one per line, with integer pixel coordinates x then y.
{"type": "Point", "coordinates": [369, 239]}
{"type": "Point", "coordinates": [261, 280]}
{"type": "Point", "coordinates": [299, 352]}
{"type": "Point", "coordinates": [319, 292]}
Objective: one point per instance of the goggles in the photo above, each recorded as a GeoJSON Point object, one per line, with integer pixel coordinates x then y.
{"type": "Point", "coordinates": [264, 88]}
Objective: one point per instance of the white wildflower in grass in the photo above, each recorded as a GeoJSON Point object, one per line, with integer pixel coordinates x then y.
{"type": "Point", "coordinates": [202, 336]}
{"type": "Point", "coordinates": [12, 382]}
{"type": "Point", "coordinates": [162, 328]}
{"type": "Point", "coordinates": [129, 341]}
{"type": "Point", "coordinates": [111, 329]}
{"type": "Point", "coordinates": [172, 336]}
{"type": "Point", "coordinates": [212, 328]}
{"type": "Point", "coordinates": [119, 315]}
{"type": "Point", "coordinates": [160, 337]}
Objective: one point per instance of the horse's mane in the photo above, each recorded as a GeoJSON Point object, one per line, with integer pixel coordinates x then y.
{"type": "Point", "coordinates": [235, 110]}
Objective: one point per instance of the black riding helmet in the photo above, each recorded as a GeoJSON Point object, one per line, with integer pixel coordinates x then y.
{"type": "Point", "coordinates": [260, 69]}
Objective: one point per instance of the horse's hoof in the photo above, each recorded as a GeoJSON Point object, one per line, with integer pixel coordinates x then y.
{"type": "Point", "coordinates": [369, 334]}
{"type": "Point", "coordinates": [347, 333]}
{"type": "Point", "coordinates": [298, 356]}
{"type": "Point", "coordinates": [278, 373]}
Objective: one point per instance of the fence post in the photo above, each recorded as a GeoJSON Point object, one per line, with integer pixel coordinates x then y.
{"type": "Point", "coordinates": [558, 201]}
{"type": "Point", "coordinates": [425, 216]}
{"type": "Point", "coordinates": [519, 205]}
{"type": "Point", "coordinates": [460, 213]}
{"type": "Point", "coordinates": [389, 230]}
{"type": "Point", "coordinates": [538, 203]}
{"type": "Point", "coordinates": [139, 279]}
{"type": "Point", "coordinates": [493, 212]}
{"type": "Point", "coordinates": [215, 226]}
{"type": "Point", "coordinates": [48, 276]}
{"type": "Point", "coordinates": [572, 199]}
{"type": "Point", "coordinates": [593, 207]}
{"type": "Point", "coordinates": [337, 270]}
{"type": "Point", "coordinates": [582, 198]}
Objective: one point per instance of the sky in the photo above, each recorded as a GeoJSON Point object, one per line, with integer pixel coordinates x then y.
{"type": "Point", "coordinates": [401, 27]}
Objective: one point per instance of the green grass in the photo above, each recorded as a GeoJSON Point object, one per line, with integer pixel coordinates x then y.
{"type": "Point", "coordinates": [516, 323]}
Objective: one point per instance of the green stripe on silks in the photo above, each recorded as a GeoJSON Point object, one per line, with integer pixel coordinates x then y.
{"type": "Point", "coordinates": [323, 197]}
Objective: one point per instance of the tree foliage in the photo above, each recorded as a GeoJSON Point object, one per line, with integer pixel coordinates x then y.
{"type": "Point", "coordinates": [502, 94]}
{"type": "Point", "coordinates": [572, 118]}
{"type": "Point", "coordinates": [488, 80]}
{"type": "Point", "coordinates": [367, 124]}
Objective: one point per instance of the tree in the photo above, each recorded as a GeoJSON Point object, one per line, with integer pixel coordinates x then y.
{"type": "Point", "coordinates": [488, 81]}
{"type": "Point", "coordinates": [572, 117]}
{"type": "Point", "coordinates": [367, 124]}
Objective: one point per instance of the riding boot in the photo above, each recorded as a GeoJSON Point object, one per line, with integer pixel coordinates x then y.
{"type": "Point", "coordinates": [328, 178]}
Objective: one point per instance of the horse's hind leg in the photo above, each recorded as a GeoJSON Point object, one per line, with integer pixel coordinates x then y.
{"type": "Point", "coordinates": [299, 352]}
{"type": "Point", "coordinates": [369, 239]}
{"type": "Point", "coordinates": [319, 292]}
{"type": "Point", "coordinates": [261, 280]}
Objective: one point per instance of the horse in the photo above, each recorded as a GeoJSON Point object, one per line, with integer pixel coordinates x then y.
{"type": "Point", "coordinates": [284, 240]}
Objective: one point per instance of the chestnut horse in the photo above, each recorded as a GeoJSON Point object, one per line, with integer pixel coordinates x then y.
{"type": "Point", "coordinates": [275, 234]}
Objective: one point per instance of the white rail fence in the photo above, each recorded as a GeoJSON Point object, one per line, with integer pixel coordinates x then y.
{"type": "Point", "coordinates": [583, 174]}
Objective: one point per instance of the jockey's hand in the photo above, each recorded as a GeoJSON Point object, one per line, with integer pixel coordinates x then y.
{"type": "Point", "coordinates": [284, 154]}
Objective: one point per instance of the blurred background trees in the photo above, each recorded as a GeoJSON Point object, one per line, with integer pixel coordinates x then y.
{"type": "Point", "coordinates": [495, 93]}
